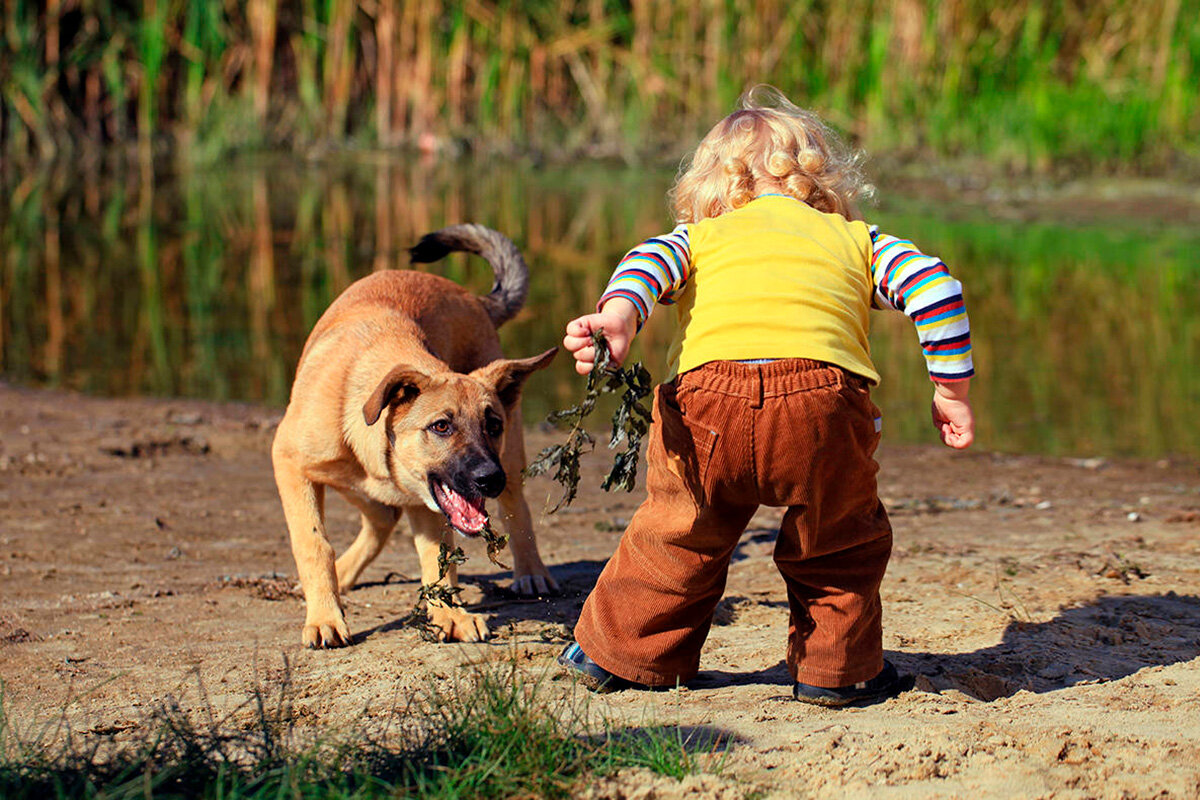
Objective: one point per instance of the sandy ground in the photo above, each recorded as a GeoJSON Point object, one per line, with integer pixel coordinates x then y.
{"type": "Point", "coordinates": [1048, 608]}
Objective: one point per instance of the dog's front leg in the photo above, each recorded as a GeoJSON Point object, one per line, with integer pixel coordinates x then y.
{"type": "Point", "coordinates": [454, 623]}
{"type": "Point", "coordinates": [304, 509]}
{"type": "Point", "coordinates": [530, 576]}
{"type": "Point", "coordinates": [378, 522]}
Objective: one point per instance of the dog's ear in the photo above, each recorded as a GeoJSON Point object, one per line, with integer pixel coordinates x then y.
{"type": "Point", "coordinates": [508, 375]}
{"type": "Point", "coordinates": [401, 385]}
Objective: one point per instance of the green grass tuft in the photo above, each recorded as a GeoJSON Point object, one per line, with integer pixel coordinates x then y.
{"type": "Point", "coordinates": [494, 734]}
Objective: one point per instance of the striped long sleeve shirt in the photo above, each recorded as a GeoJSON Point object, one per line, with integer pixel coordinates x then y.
{"type": "Point", "coordinates": [905, 279]}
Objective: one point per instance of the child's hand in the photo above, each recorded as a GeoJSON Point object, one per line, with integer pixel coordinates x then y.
{"type": "Point", "coordinates": [618, 319]}
{"type": "Point", "coordinates": [952, 414]}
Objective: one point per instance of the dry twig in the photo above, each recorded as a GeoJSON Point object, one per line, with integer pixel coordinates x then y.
{"type": "Point", "coordinates": [630, 423]}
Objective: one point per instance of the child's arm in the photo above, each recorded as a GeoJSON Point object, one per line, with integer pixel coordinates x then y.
{"type": "Point", "coordinates": [654, 271]}
{"type": "Point", "coordinates": [919, 285]}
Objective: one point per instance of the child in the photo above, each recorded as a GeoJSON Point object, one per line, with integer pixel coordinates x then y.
{"type": "Point", "coordinates": [766, 402]}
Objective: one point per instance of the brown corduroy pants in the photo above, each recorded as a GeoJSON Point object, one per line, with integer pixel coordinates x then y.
{"type": "Point", "coordinates": [728, 437]}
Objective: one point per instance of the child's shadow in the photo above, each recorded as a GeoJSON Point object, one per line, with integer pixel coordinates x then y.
{"type": "Point", "coordinates": [1106, 639]}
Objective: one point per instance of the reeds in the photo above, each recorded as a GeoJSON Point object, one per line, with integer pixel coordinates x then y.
{"type": "Point", "coordinates": [1023, 84]}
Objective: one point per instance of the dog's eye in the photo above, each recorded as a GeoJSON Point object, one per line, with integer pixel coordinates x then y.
{"type": "Point", "coordinates": [442, 427]}
{"type": "Point", "coordinates": [494, 428]}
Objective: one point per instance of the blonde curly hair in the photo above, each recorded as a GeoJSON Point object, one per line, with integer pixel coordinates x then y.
{"type": "Point", "coordinates": [769, 145]}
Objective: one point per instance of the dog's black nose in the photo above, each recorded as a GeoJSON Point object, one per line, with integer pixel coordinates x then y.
{"type": "Point", "coordinates": [489, 480]}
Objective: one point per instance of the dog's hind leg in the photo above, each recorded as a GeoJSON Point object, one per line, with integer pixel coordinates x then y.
{"type": "Point", "coordinates": [455, 623]}
{"type": "Point", "coordinates": [304, 509]}
{"type": "Point", "coordinates": [530, 576]}
{"type": "Point", "coordinates": [378, 522]}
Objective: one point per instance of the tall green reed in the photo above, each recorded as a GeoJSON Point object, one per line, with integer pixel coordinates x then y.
{"type": "Point", "coordinates": [1023, 84]}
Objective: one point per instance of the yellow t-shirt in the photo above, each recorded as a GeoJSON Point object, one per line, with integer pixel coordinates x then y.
{"type": "Point", "coordinates": [776, 279]}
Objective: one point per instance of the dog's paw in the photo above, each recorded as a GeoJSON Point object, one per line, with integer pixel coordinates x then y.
{"type": "Point", "coordinates": [458, 625]}
{"type": "Point", "coordinates": [534, 585]}
{"type": "Point", "coordinates": [320, 634]}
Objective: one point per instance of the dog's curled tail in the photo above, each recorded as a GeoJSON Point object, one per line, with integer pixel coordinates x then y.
{"type": "Point", "coordinates": [512, 276]}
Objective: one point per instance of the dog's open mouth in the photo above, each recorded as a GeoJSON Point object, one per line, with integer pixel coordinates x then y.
{"type": "Point", "coordinates": [467, 516]}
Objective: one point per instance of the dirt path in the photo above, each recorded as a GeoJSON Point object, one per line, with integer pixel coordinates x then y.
{"type": "Point", "coordinates": [1048, 607]}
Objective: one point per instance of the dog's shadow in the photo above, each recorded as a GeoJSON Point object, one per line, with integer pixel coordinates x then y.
{"type": "Point", "coordinates": [505, 608]}
{"type": "Point", "coordinates": [1103, 640]}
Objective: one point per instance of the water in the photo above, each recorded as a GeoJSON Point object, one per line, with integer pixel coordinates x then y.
{"type": "Point", "coordinates": [205, 284]}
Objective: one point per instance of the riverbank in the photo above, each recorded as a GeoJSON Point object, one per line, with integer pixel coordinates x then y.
{"type": "Point", "coordinates": [1047, 606]}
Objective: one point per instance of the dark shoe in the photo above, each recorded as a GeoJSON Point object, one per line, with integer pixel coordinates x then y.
{"type": "Point", "coordinates": [888, 683]}
{"type": "Point", "coordinates": [591, 674]}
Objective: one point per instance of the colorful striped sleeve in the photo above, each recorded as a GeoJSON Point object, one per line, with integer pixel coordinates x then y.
{"type": "Point", "coordinates": [654, 271]}
{"type": "Point", "coordinates": [919, 285]}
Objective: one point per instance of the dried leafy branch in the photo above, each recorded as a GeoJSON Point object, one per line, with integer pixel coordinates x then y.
{"type": "Point", "coordinates": [448, 595]}
{"type": "Point", "coordinates": [495, 543]}
{"type": "Point", "coordinates": [630, 423]}
{"type": "Point", "coordinates": [438, 592]}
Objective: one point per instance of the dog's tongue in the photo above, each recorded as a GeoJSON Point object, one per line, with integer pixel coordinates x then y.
{"type": "Point", "coordinates": [465, 515]}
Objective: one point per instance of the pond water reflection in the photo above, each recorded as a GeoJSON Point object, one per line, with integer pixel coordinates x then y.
{"type": "Point", "coordinates": [205, 283]}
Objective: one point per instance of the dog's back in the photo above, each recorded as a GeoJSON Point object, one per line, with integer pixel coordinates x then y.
{"type": "Point", "coordinates": [454, 325]}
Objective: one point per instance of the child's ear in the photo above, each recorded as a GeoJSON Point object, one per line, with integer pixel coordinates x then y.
{"type": "Point", "coordinates": [508, 375]}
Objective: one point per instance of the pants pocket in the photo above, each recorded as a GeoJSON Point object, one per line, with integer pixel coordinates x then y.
{"type": "Point", "coordinates": [686, 445]}
{"type": "Point", "coordinates": [869, 417]}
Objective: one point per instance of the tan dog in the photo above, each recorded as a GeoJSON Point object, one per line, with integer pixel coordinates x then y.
{"type": "Point", "coordinates": [403, 403]}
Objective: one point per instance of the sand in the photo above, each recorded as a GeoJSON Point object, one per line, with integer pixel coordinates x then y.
{"type": "Point", "coordinates": [1047, 607]}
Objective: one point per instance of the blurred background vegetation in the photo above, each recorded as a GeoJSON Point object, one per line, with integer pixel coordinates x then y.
{"type": "Point", "coordinates": [185, 186]}
{"type": "Point", "coordinates": [1023, 85]}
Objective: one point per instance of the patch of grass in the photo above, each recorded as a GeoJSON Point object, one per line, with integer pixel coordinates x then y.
{"type": "Point", "coordinates": [496, 733]}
